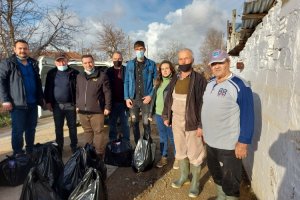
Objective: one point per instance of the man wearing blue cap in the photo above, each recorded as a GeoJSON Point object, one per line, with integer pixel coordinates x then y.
{"type": "Point", "coordinates": [228, 122]}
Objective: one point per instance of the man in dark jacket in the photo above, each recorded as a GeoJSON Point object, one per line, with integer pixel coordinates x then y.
{"type": "Point", "coordinates": [183, 108]}
{"type": "Point", "coordinates": [93, 101]}
{"type": "Point", "coordinates": [119, 110]}
{"type": "Point", "coordinates": [20, 93]}
{"type": "Point", "coordinates": [60, 96]}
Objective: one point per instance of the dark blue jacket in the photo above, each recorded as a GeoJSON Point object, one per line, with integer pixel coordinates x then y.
{"type": "Point", "coordinates": [12, 88]}
{"type": "Point", "coordinates": [149, 74]}
{"type": "Point", "coordinates": [49, 86]}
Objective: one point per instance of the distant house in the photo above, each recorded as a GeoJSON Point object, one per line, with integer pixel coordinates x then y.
{"type": "Point", "coordinates": [74, 56]}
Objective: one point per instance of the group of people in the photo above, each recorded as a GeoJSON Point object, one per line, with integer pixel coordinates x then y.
{"type": "Point", "coordinates": [202, 119]}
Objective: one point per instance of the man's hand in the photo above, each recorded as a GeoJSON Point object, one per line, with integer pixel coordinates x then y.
{"type": "Point", "coordinates": [129, 103]}
{"type": "Point", "coordinates": [199, 133]}
{"type": "Point", "coordinates": [106, 112]}
{"type": "Point", "coordinates": [167, 123]}
{"type": "Point", "coordinates": [7, 106]}
{"type": "Point", "coordinates": [146, 99]}
{"type": "Point", "coordinates": [77, 110]}
{"type": "Point", "coordinates": [49, 107]}
{"type": "Point", "coordinates": [241, 150]}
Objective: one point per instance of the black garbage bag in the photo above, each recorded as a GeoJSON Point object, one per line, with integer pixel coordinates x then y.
{"type": "Point", "coordinates": [92, 160]}
{"type": "Point", "coordinates": [144, 154]}
{"type": "Point", "coordinates": [36, 187]}
{"type": "Point", "coordinates": [49, 162]}
{"type": "Point", "coordinates": [92, 187]}
{"type": "Point", "coordinates": [38, 150]}
{"type": "Point", "coordinates": [73, 173]}
{"type": "Point", "coordinates": [14, 170]}
{"type": "Point", "coordinates": [118, 153]}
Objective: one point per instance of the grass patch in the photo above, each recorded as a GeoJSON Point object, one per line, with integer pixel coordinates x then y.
{"type": "Point", "coordinates": [4, 118]}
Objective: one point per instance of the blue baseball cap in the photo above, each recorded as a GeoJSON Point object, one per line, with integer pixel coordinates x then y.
{"type": "Point", "coordinates": [218, 55]}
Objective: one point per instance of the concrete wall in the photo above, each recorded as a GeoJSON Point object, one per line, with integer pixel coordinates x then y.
{"type": "Point", "coordinates": [272, 65]}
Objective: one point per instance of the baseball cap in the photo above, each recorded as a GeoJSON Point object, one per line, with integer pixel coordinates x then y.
{"type": "Point", "coordinates": [218, 55]}
{"type": "Point", "coordinates": [60, 55]}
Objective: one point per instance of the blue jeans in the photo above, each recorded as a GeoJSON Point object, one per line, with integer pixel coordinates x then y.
{"type": "Point", "coordinates": [135, 113]}
{"type": "Point", "coordinates": [60, 112]}
{"type": "Point", "coordinates": [118, 111]}
{"type": "Point", "coordinates": [23, 120]}
{"type": "Point", "coordinates": [165, 133]}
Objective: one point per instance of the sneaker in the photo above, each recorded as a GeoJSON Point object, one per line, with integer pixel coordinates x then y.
{"type": "Point", "coordinates": [162, 162]}
{"type": "Point", "coordinates": [176, 164]}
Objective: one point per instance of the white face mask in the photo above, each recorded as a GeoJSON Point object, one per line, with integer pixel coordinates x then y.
{"type": "Point", "coordinates": [89, 72]}
{"type": "Point", "coordinates": [62, 68]}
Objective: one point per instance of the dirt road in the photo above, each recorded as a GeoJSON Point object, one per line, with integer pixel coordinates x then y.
{"type": "Point", "coordinates": [123, 183]}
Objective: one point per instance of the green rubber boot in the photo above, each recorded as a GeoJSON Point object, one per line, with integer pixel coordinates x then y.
{"type": "Point", "coordinates": [195, 186]}
{"type": "Point", "coordinates": [220, 193]}
{"type": "Point", "coordinates": [184, 167]}
{"type": "Point", "coordinates": [231, 198]}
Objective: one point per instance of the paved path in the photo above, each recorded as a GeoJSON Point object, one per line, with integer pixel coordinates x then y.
{"type": "Point", "coordinates": [44, 133]}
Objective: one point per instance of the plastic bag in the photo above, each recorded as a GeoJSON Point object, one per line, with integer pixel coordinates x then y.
{"type": "Point", "coordinates": [118, 153]}
{"type": "Point", "coordinates": [94, 161]}
{"type": "Point", "coordinates": [92, 187]}
{"type": "Point", "coordinates": [36, 187]}
{"type": "Point", "coordinates": [14, 170]}
{"type": "Point", "coordinates": [144, 154]}
{"type": "Point", "coordinates": [73, 173]}
{"type": "Point", "coordinates": [49, 162]}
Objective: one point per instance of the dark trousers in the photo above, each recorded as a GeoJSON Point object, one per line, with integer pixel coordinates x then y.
{"type": "Point", "coordinates": [118, 111]}
{"type": "Point", "coordinates": [135, 113]}
{"type": "Point", "coordinates": [225, 169]}
{"type": "Point", "coordinates": [23, 120]}
{"type": "Point", "coordinates": [60, 112]}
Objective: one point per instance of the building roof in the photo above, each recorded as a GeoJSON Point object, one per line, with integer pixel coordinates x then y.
{"type": "Point", "coordinates": [70, 54]}
{"type": "Point", "coordinates": [253, 13]}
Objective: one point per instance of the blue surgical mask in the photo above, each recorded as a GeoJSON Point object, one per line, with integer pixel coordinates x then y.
{"type": "Point", "coordinates": [62, 68]}
{"type": "Point", "coordinates": [140, 54]}
{"type": "Point", "coordinates": [89, 72]}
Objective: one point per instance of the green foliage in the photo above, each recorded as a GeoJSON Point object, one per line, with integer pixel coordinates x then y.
{"type": "Point", "coordinates": [4, 119]}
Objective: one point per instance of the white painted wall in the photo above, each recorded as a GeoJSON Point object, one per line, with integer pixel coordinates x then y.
{"type": "Point", "coordinates": [272, 65]}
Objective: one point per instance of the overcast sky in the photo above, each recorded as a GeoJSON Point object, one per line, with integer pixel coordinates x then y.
{"type": "Point", "coordinates": [157, 22]}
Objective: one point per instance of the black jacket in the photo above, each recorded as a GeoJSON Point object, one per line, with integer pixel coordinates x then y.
{"type": "Point", "coordinates": [49, 87]}
{"type": "Point", "coordinates": [193, 103]}
{"type": "Point", "coordinates": [93, 92]}
{"type": "Point", "coordinates": [111, 76]}
{"type": "Point", "coordinates": [12, 88]}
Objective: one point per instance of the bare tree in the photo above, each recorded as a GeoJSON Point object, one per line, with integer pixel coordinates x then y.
{"type": "Point", "coordinates": [171, 51]}
{"type": "Point", "coordinates": [213, 40]}
{"type": "Point", "coordinates": [41, 27]}
{"type": "Point", "coordinates": [113, 39]}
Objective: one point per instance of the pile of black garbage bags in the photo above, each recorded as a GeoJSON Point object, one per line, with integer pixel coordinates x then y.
{"type": "Point", "coordinates": [45, 177]}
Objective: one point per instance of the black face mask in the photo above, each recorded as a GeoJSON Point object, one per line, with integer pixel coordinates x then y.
{"type": "Point", "coordinates": [117, 63]}
{"type": "Point", "coordinates": [185, 68]}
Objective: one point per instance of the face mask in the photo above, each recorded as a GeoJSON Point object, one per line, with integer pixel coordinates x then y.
{"type": "Point", "coordinates": [185, 68]}
{"type": "Point", "coordinates": [117, 63]}
{"type": "Point", "coordinates": [139, 54]}
{"type": "Point", "coordinates": [62, 68]}
{"type": "Point", "coordinates": [89, 72]}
